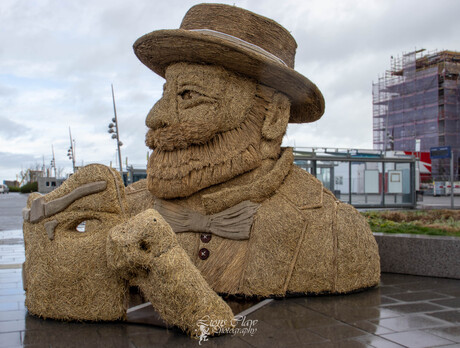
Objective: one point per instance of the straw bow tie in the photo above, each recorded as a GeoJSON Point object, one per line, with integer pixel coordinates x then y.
{"type": "Point", "coordinates": [232, 223]}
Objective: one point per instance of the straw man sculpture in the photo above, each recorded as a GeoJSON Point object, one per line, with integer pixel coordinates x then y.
{"type": "Point", "coordinates": [223, 210]}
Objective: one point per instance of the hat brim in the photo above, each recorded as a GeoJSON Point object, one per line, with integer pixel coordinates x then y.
{"type": "Point", "coordinates": [161, 48]}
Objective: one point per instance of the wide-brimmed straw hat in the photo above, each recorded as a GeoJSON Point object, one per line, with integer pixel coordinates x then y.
{"type": "Point", "coordinates": [238, 40]}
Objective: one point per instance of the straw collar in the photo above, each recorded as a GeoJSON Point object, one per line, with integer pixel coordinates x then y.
{"type": "Point", "coordinates": [256, 191]}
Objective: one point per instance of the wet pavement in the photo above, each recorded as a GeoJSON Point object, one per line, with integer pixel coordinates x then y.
{"type": "Point", "coordinates": [405, 311]}
{"type": "Point", "coordinates": [11, 205]}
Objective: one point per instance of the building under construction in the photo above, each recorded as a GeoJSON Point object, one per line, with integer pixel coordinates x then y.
{"type": "Point", "coordinates": [419, 98]}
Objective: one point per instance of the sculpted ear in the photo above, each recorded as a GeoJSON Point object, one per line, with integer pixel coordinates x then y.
{"type": "Point", "coordinates": [277, 117]}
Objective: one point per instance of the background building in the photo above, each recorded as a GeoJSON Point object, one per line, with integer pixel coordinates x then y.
{"type": "Point", "coordinates": [419, 98]}
{"type": "Point", "coordinates": [48, 184]}
{"type": "Point", "coordinates": [11, 183]}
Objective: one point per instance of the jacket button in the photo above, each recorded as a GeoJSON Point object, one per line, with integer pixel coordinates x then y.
{"type": "Point", "coordinates": [203, 253]}
{"type": "Point", "coordinates": [205, 237]}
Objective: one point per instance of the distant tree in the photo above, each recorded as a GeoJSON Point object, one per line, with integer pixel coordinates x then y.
{"type": "Point", "coordinates": [29, 187]}
{"type": "Point", "coordinates": [60, 172]}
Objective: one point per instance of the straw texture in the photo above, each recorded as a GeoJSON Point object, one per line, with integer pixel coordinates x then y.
{"type": "Point", "coordinates": [358, 256]}
{"type": "Point", "coordinates": [240, 41]}
{"type": "Point", "coordinates": [145, 251]}
{"type": "Point", "coordinates": [266, 227]}
{"type": "Point", "coordinates": [303, 240]}
{"type": "Point", "coordinates": [209, 144]}
{"type": "Point", "coordinates": [65, 270]}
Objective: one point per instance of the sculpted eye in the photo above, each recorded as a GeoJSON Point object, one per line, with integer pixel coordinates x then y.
{"type": "Point", "coordinates": [188, 94]}
{"type": "Point", "coordinates": [189, 98]}
{"type": "Point", "coordinates": [81, 227]}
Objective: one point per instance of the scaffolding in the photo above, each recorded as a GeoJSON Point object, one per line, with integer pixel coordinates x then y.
{"type": "Point", "coordinates": [419, 98]}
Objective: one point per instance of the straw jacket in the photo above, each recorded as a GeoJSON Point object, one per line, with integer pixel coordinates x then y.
{"type": "Point", "coordinates": [302, 239]}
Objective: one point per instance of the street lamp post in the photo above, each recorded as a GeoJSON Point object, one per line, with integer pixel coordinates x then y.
{"type": "Point", "coordinates": [53, 162]}
{"type": "Point", "coordinates": [71, 150]}
{"type": "Point", "coordinates": [115, 131]}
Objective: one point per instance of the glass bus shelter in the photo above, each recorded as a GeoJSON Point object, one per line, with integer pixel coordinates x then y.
{"type": "Point", "coordinates": [363, 178]}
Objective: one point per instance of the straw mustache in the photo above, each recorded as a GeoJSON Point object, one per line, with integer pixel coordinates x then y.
{"type": "Point", "coordinates": [180, 136]}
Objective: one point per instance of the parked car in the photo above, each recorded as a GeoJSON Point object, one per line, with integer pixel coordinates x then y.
{"type": "Point", "coordinates": [4, 189]}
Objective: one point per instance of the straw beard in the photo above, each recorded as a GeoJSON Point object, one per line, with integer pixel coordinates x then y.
{"type": "Point", "coordinates": [189, 157]}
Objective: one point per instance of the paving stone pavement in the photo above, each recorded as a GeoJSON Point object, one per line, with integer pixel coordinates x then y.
{"type": "Point", "coordinates": [405, 311]}
{"type": "Point", "coordinates": [11, 205]}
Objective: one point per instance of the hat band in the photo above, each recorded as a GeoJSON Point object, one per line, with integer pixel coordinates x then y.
{"type": "Point", "coordinates": [241, 42]}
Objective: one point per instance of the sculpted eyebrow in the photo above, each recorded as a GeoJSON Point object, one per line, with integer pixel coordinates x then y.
{"type": "Point", "coordinates": [198, 88]}
{"type": "Point", "coordinates": [39, 209]}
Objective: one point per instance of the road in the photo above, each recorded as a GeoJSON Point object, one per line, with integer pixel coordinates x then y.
{"type": "Point", "coordinates": [11, 205]}
{"type": "Point", "coordinates": [443, 202]}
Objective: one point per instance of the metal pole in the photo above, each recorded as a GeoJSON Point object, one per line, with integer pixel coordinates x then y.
{"type": "Point", "coordinates": [349, 183]}
{"type": "Point", "coordinates": [383, 183]}
{"type": "Point", "coordinates": [452, 179]}
{"type": "Point", "coordinates": [118, 134]}
{"type": "Point", "coordinates": [74, 155]}
{"type": "Point", "coordinates": [54, 162]}
{"type": "Point", "coordinates": [413, 188]}
{"type": "Point", "coordinates": [72, 150]}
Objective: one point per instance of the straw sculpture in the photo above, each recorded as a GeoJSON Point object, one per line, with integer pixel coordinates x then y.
{"type": "Point", "coordinates": [223, 209]}
{"type": "Point", "coordinates": [75, 275]}
{"type": "Point", "coordinates": [216, 133]}
{"type": "Point", "coordinates": [145, 251]}
{"type": "Point", "coordinates": [66, 273]}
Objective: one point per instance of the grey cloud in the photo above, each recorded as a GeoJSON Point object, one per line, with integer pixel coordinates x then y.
{"type": "Point", "coordinates": [9, 160]}
{"type": "Point", "coordinates": [11, 129]}
{"type": "Point", "coordinates": [9, 157]}
{"type": "Point", "coordinates": [7, 91]}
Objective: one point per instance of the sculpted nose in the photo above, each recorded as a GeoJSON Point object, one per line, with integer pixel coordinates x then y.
{"type": "Point", "coordinates": [163, 113]}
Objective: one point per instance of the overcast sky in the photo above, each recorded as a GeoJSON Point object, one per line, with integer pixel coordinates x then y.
{"type": "Point", "coordinates": [58, 59]}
